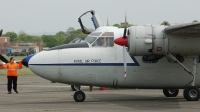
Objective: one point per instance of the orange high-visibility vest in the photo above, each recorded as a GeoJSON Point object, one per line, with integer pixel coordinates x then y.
{"type": "Point", "coordinates": [12, 68]}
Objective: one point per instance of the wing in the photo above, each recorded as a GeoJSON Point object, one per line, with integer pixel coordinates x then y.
{"type": "Point", "coordinates": [188, 29]}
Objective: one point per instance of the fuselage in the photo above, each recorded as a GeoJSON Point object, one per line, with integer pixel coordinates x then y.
{"type": "Point", "coordinates": [103, 65]}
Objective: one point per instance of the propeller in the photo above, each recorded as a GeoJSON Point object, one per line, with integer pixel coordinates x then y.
{"type": "Point", "coordinates": [107, 22]}
{"type": "Point", "coordinates": [123, 42]}
{"type": "Point", "coordinates": [124, 49]}
{"type": "Point", "coordinates": [1, 31]}
{"type": "Point", "coordinates": [125, 64]}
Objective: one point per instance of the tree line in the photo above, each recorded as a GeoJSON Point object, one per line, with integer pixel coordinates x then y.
{"type": "Point", "coordinates": [59, 38]}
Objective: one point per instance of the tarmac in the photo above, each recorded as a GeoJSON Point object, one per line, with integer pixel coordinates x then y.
{"type": "Point", "coordinates": [39, 95]}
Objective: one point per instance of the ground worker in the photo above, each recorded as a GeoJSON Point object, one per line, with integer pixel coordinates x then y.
{"type": "Point", "coordinates": [12, 74]}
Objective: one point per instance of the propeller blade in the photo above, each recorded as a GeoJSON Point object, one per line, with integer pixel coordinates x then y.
{"type": "Point", "coordinates": [125, 64]}
{"type": "Point", "coordinates": [1, 31]}
{"type": "Point", "coordinates": [107, 22]}
{"type": "Point", "coordinates": [124, 35]}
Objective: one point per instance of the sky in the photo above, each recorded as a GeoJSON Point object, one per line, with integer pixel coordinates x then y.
{"type": "Point", "coordinates": [37, 17]}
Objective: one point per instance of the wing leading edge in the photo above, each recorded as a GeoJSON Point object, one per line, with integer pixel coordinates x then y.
{"type": "Point", "coordinates": [188, 29]}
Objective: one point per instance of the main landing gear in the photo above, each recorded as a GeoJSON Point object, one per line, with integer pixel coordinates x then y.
{"type": "Point", "coordinates": [192, 92]}
{"type": "Point", "coordinates": [79, 96]}
{"type": "Point", "coordinates": [170, 92]}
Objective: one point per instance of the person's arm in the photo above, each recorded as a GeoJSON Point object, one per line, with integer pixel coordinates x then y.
{"type": "Point", "coordinates": [4, 66]}
{"type": "Point", "coordinates": [19, 65]}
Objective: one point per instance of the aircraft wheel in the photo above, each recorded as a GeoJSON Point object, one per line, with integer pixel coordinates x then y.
{"type": "Point", "coordinates": [79, 96]}
{"type": "Point", "coordinates": [170, 92]}
{"type": "Point", "coordinates": [73, 88]}
{"type": "Point", "coordinates": [191, 93]}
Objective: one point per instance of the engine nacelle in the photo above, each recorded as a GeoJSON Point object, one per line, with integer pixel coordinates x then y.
{"type": "Point", "coordinates": [140, 40]}
{"type": "Point", "coordinates": [151, 40]}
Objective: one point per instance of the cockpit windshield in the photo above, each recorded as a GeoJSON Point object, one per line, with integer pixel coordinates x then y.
{"type": "Point", "coordinates": [95, 33]}
{"type": "Point", "coordinates": [92, 37]}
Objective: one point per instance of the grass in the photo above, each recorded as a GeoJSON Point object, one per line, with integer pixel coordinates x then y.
{"type": "Point", "coordinates": [23, 71]}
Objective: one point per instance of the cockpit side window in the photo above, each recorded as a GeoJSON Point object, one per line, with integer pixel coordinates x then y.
{"type": "Point", "coordinates": [109, 41]}
{"type": "Point", "coordinates": [100, 42]}
{"type": "Point", "coordinates": [106, 40]}
{"type": "Point", "coordinates": [90, 39]}
{"type": "Point", "coordinates": [109, 38]}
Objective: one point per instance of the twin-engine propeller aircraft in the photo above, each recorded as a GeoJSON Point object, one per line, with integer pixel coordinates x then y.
{"type": "Point", "coordinates": [158, 57]}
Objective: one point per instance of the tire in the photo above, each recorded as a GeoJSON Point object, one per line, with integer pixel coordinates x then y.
{"type": "Point", "coordinates": [79, 96]}
{"type": "Point", "coordinates": [191, 93]}
{"type": "Point", "coordinates": [170, 92]}
{"type": "Point", "coordinates": [73, 88]}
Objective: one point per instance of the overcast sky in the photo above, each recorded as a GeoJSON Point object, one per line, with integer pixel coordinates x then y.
{"type": "Point", "coordinates": [37, 17]}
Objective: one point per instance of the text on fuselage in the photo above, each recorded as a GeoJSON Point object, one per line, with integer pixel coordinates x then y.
{"type": "Point", "coordinates": [88, 61]}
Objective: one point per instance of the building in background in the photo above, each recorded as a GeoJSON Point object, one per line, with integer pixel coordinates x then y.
{"type": "Point", "coordinates": [5, 44]}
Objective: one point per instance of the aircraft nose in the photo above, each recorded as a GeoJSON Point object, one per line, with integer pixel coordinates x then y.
{"type": "Point", "coordinates": [26, 60]}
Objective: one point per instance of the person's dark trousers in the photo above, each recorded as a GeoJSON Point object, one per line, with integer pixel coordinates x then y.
{"type": "Point", "coordinates": [12, 79]}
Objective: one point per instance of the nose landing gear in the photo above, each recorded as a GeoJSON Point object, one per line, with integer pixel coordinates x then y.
{"type": "Point", "coordinates": [79, 96]}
